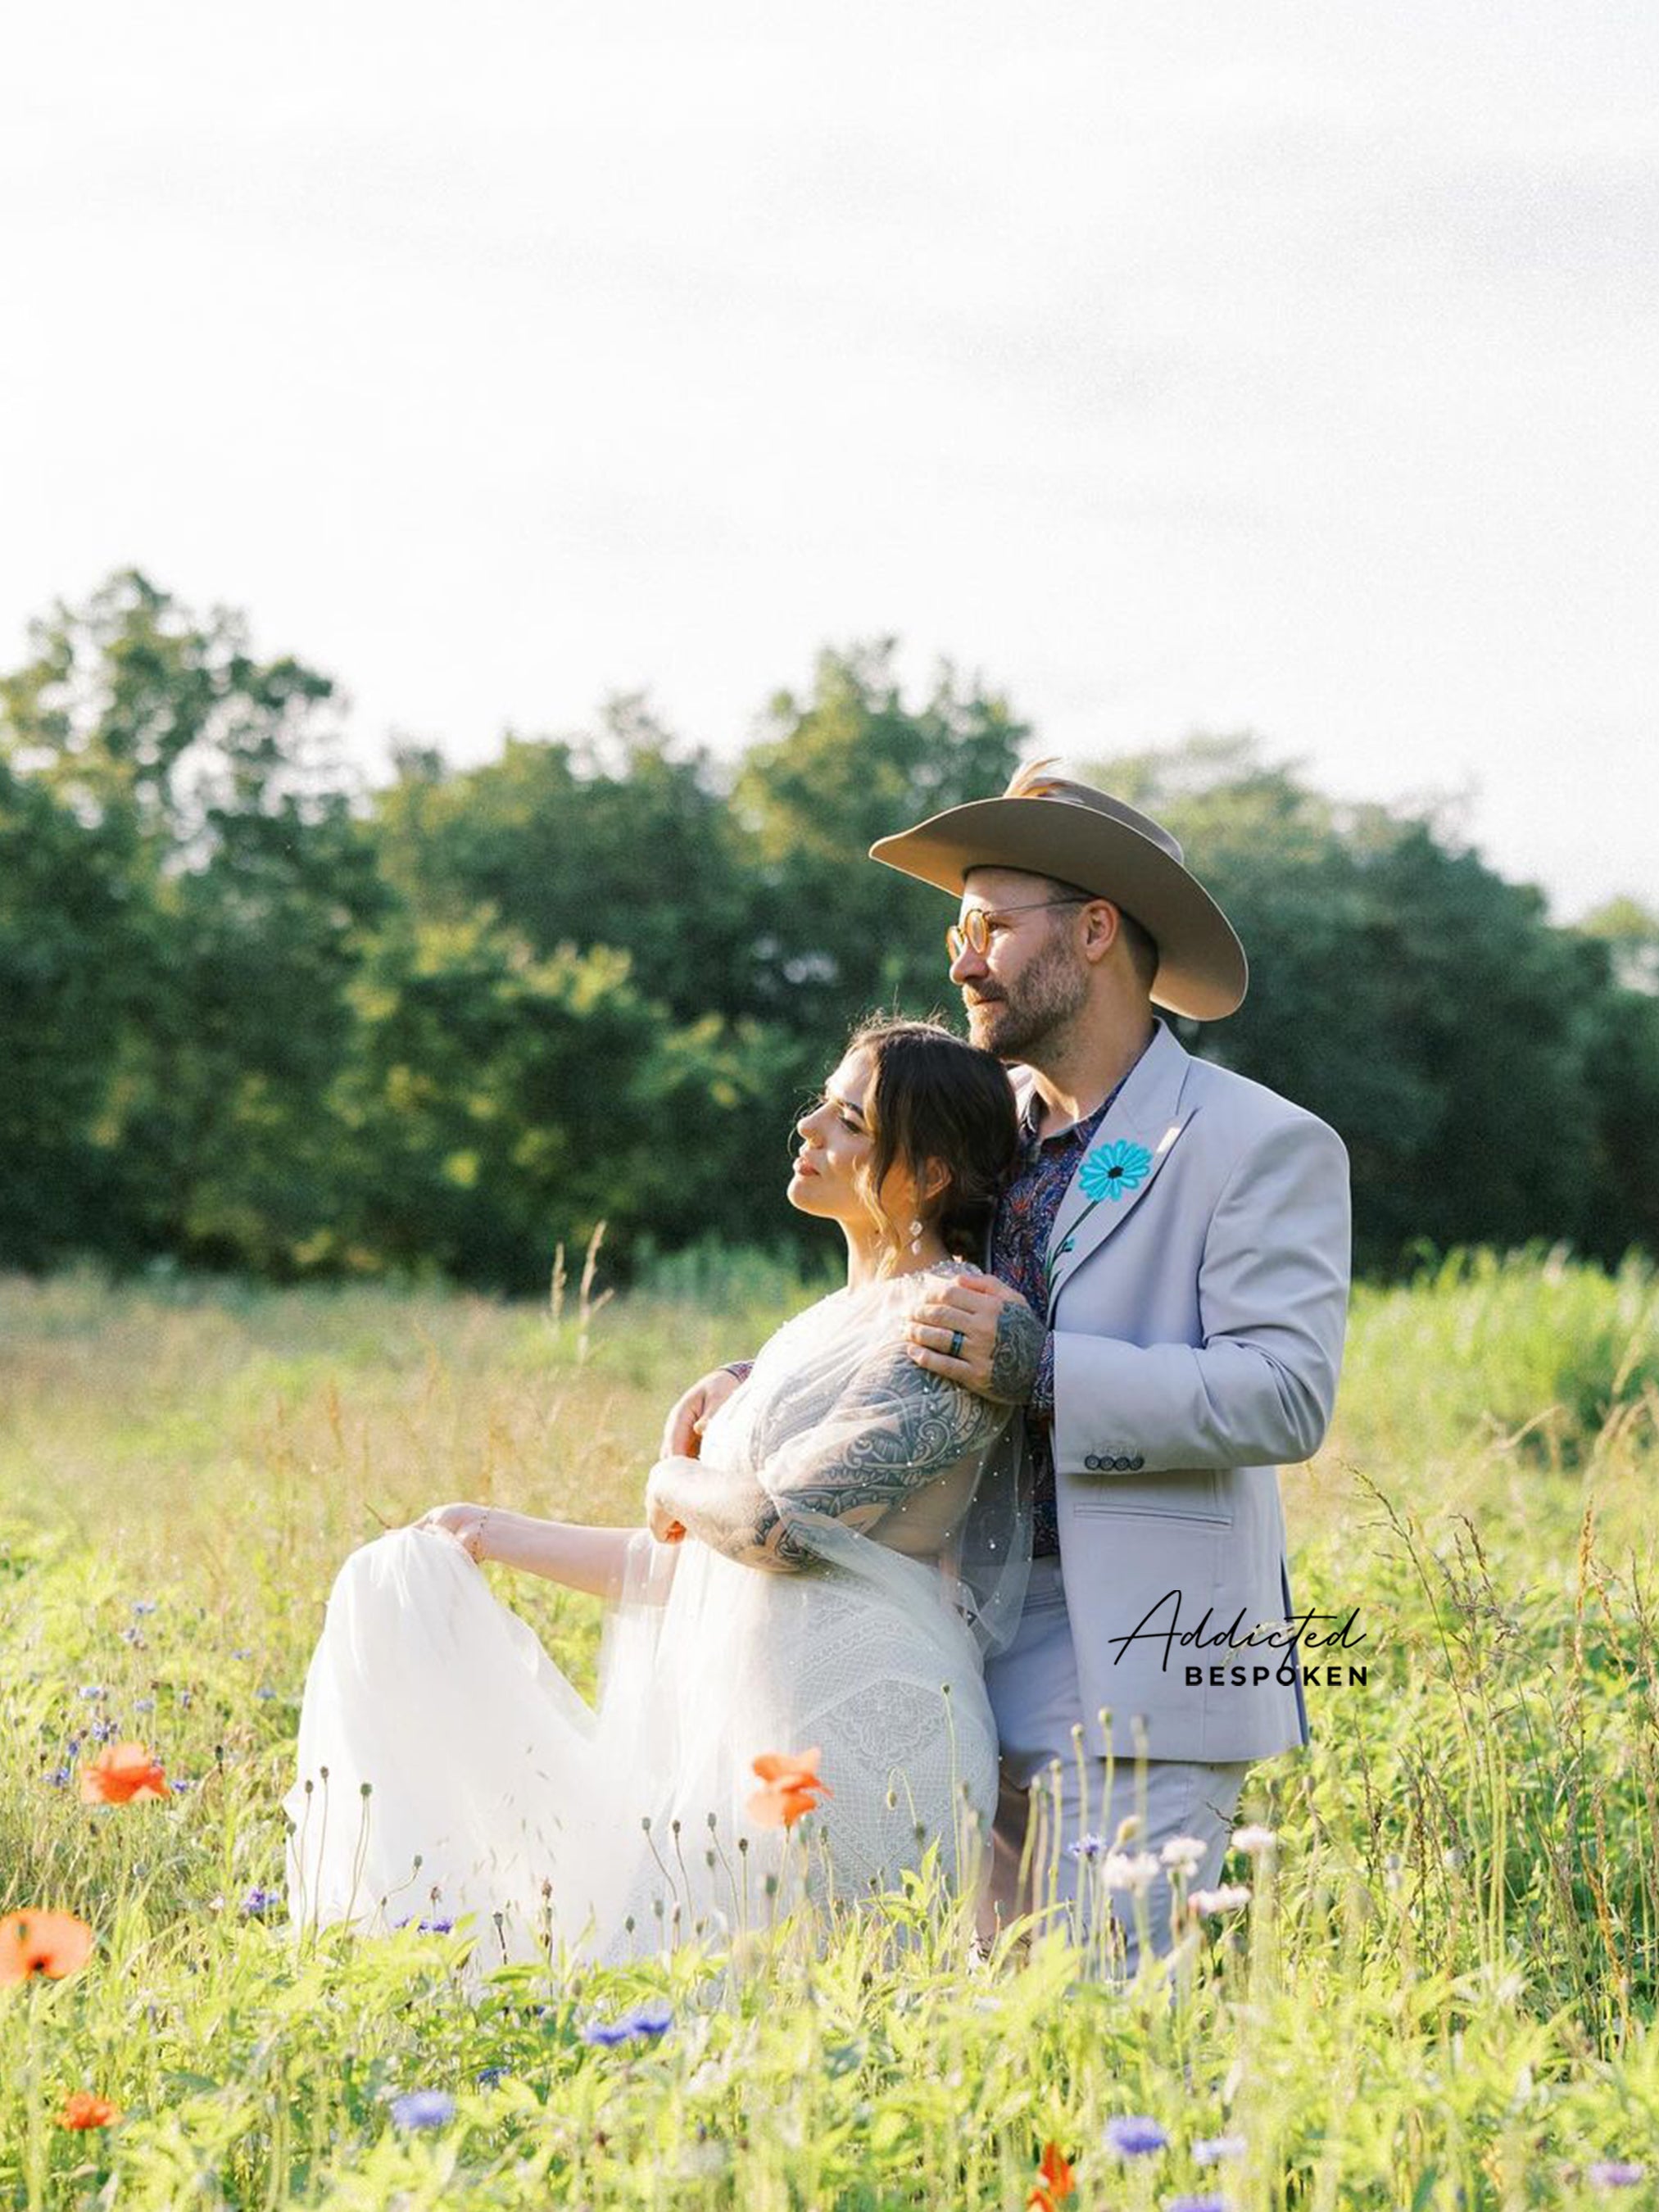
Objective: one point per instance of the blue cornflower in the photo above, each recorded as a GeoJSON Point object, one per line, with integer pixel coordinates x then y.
{"type": "Point", "coordinates": [144, 1605]}
{"type": "Point", "coordinates": [262, 1692]}
{"type": "Point", "coordinates": [184, 1699]}
{"type": "Point", "coordinates": [1210, 2148]}
{"type": "Point", "coordinates": [1112, 1169]}
{"type": "Point", "coordinates": [1135, 2137]}
{"type": "Point", "coordinates": [1087, 1847]}
{"type": "Point", "coordinates": [492, 2075]}
{"type": "Point", "coordinates": [58, 1777]}
{"type": "Point", "coordinates": [130, 1636]}
{"type": "Point", "coordinates": [143, 1704]}
{"type": "Point", "coordinates": [260, 1900]}
{"type": "Point", "coordinates": [1213, 2203]}
{"type": "Point", "coordinates": [424, 2108]}
{"type": "Point", "coordinates": [92, 1690]}
{"type": "Point", "coordinates": [179, 1788]}
{"type": "Point", "coordinates": [438, 1925]}
{"type": "Point", "coordinates": [241, 1655]}
{"type": "Point", "coordinates": [71, 1747]}
{"type": "Point", "coordinates": [643, 2025]}
{"type": "Point", "coordinates": [1615, 2173]}
{"type": "Point", "coordinates": [102, 1731]}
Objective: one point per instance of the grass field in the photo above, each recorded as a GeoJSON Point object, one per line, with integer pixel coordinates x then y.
{"type": "Point", "coordinates": [1442, 1994]}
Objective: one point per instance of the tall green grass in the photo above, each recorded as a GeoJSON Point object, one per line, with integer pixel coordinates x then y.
{"type": "Point", "coordinates": [1442, 1993]}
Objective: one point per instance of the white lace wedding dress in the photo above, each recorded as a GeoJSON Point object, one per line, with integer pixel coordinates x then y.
{"type": "Point", "coordinates": [440, 1750]}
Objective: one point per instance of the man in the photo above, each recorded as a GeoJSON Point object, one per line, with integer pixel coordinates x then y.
{"type": "Point", "coordinates": [1181, 1238]}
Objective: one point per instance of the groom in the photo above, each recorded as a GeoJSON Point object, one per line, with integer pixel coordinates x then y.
{"type": "Point", "coordinates": [1173, 1259]}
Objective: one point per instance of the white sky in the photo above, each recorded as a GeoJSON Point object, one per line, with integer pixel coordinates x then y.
{"type": "Point", "coordinates": [1279, 366]}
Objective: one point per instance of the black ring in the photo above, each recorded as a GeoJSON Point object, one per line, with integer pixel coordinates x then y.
{"type": "Point", "coordinates": [955, 1344]}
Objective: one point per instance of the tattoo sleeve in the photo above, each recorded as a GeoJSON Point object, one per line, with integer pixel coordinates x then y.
{"type": "Point", "coordinates": [893, 1432]}
{"type": "Point", "coordinates": [1016, 1354]}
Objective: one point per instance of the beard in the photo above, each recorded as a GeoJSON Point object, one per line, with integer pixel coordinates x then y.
{"type": "Point", "coordinates": [1036, 1009]}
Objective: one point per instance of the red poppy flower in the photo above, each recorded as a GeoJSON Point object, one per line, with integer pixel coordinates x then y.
{"type": "Point", "coordinates": [51, 1943]}
{"type": "Point", "coordinates": [81, 2109]}
{"type": "Point", "coordinates": [122, 1774]}
{"type": "Point", "coordinates": [1056, 2181]}
{"type": "Point", "coordinates": [792, 1788]}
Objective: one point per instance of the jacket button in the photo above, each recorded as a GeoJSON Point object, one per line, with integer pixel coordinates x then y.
{"type": "Point", "coordinates": [1091, 1461]}
{"type": "Point", "coordinates": [1137, 1462]}
{"type": "Point", "coordinates": [1121, 1465]}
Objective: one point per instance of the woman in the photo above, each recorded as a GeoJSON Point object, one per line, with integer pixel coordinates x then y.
{"type": "Point", "coordinates": [825, 1577]}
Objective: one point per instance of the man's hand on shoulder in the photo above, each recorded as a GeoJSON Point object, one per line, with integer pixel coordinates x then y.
{"type": "Point", "coordinates": [982, 1335]}
{"type": "Point", "coordinates": [682, 1434]}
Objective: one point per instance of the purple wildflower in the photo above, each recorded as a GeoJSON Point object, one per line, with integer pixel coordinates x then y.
{"type": "Point", "coordinates": [1213, 2204]}
{"type": "Point", "coordinates": [264, 1692]}
{"type": "Point", "coordinates": [1135, 2136]}
{"type": "Point", "coordinates": [241, 1655]}
{"type": "Point", "coordinates": [102, 1731]}
{"type": "Point", "coordinates": [144, 1605]}
{"type": "Point", "coordinates": [1087, 1847]}
{"type": "Point", "coordinates": [1210, 2148]}
{"type": "Point", "coordinates": [58, 1777]}
{"type": "Point", "coordinates": [179, 1788]}
{"type": "Point", "coordinates": [143, 1704]}
{"type": "Point", "coordinates": [424, 2108]}
{"type": "Point", "coordinates": [1615, 2173]}
{"type": "Point", "coordinates": [438, 1925]}
{"type": "Point", "coordinates": [260, 1900]}
{"type": "Point", "coordinates": [92, 1690]}
{"type": "Point", "coordinates": [643, 2025]}
{"type": "Point", "coordinates": [492, 2075]}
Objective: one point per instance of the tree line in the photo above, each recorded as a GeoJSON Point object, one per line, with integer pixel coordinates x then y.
{"type": "Point", "coordinates": [255, 1015]}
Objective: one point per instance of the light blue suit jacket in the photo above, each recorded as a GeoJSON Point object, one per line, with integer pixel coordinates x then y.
{"type": "Point", "coordinates": [1198, 1309]}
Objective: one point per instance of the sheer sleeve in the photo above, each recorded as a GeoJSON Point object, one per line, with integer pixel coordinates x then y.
{"type": "Point", "coordinates": [895, 1457]}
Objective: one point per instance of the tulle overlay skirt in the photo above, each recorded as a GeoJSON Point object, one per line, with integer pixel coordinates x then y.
{"type": "Point", "coordinates": [442, 1751]}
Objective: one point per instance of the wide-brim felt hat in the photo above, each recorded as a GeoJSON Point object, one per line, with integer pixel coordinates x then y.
{"type": "Point", "coordinates": [1084, 836]}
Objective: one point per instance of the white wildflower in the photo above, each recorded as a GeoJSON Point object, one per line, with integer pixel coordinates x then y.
{"type": "Point", "coordinates": [1228, 1898]}
{"type": "Point", "coordinates": [1133, 1871]}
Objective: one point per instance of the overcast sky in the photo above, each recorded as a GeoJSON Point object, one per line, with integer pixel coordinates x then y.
{"type": "Point", "coordinates": [1279, 367]}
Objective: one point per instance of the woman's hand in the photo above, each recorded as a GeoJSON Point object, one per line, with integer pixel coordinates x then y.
{"type": "Point", "coordinates": [981, 1334]}
{"type": "Point", "coordinates": [465, 1523]}
{"type": "Point", "coordinates": [661, 1508]}
{"type": "Point", "coordinates": [682, 1434]}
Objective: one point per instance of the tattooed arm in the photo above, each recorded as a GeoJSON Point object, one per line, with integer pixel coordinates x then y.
{"type": "Point", "coordinates": [895, 1431]}
{"type": "Point", "coordinates": [980, 1333]}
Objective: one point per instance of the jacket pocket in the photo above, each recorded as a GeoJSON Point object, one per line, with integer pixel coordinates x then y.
{"type": "Point", "coordinates": [1189, 1494]}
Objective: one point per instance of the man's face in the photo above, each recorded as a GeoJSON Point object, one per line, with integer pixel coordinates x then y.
{"type": "Point", "coordinates": [1030, 983]}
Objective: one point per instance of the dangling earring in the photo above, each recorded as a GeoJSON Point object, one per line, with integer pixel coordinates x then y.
{"type": "Point", "coordinates": [915, 1237]}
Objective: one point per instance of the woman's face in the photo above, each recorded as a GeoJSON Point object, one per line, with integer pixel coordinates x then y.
{"type": "Point", "coordinates": [836, 1145]}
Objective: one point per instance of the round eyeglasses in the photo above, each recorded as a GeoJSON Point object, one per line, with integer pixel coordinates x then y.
{"type": "Point", "coordinates": [976, 927]}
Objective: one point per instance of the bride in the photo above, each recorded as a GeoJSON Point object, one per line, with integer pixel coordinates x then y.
{"type": "Point", "coordinates": [797, 1632]}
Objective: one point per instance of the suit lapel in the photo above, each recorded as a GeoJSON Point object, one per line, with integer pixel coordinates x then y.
{"type": "Point", "coordinates": [1136, 1136]}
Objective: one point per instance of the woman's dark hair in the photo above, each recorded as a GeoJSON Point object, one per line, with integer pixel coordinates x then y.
{"type": "Point", "coordinates": [933, 1098]}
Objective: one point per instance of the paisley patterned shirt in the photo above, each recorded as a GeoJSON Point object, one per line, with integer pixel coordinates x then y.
{"type": "Point", "coordinates": [1025, 1219]}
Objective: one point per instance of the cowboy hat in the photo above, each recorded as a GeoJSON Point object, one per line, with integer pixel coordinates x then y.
{"type": "Point", "coordinates": [1076, 834]}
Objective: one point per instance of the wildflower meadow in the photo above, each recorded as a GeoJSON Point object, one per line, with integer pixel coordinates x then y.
{"type": "Point", "coordinates": [1428, 1977]}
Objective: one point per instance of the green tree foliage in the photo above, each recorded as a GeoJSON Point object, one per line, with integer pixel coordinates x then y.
{"type": "Point", "coordinates": [831, 772]}
{"type": "Point", "coordinates": [254, 1016]}
{"type": "Point", "coordinates": [621, 838]}
{"type": "Point", "coordinates": [204, 783]}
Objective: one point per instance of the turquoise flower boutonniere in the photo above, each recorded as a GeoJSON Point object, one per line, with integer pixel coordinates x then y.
{"type": "Point", "coordinates": [1111, 1169]}
{"type": "Point", "coordinates": [1107, 1173]}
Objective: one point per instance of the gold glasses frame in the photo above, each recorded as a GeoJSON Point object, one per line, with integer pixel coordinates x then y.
{"type": "Point", "coordinates": [975, 926]}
